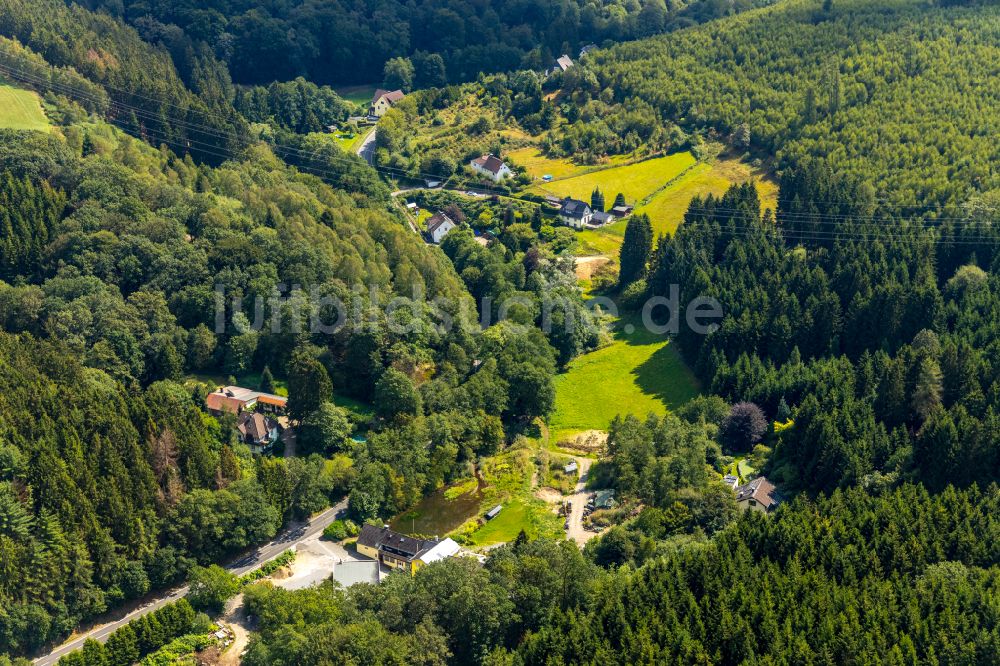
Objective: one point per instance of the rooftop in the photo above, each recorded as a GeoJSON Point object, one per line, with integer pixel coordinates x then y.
{"type": "Point", "coordinates": [391, 96]}
{"type": "Point", "coordinates": [574, 208]}
{"type": "Point", "coordinates": [490, 163]}
{"type": "Point", "coordinates": [760, 490]}
{"type": "Point", "coordinates": [394, 543]}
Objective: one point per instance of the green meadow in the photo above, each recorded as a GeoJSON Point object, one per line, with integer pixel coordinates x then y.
{"type": "Point", "coordinates": [639, 373]}
{"type": "Point", "coordinates": [21, 109]}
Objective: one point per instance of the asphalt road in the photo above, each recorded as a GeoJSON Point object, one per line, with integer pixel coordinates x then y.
{"type": "Point", "coordinates": [287, 538]}
{"type": "Point", "coordinates": [366, 149]}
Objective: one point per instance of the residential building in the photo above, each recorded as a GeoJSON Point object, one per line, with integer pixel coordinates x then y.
{"type": "Point", "coordinates": [587, 49]}
{"type": "Point", "coordinates": [438, 226]}
{"type": "Point", "coordinates": [257, 431]}
{"type": "Point", "coordinates": [563, 63]}
{"type": "Point", "coordinates": [398, 551]}
{"type": "Point", "coordinates": [236, 400]}
{"type": "Point", "coordinates": [731, 480]}
{"type": "Point", "coordinates": [600, 218]}
{"type": "Point", "coordinates": [575, 213]}
{"type": "Point", "coordinates": [382, 101]}
{"type": "Point", "coordinates": [492, 167]}
{"type": "Point", "coordinates": [758, 495]}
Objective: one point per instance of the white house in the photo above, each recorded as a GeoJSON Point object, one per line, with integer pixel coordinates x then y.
{"type": "Point", "coordinates": [563, 63]}
{"type": "Point", "coordinates": [438, 226]}
{"type": "Point", "coordinates": [575, 213]}
{"type": "Point", "coordinates": [383, 100]}
{"type": "Point", "coordinates": [492, 167]}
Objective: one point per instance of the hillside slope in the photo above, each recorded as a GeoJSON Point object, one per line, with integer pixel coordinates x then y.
{"type": "Point", "coordinates": [894, 92]}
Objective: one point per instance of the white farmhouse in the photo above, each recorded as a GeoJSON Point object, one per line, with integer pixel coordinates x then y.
{"type": "Point", "coordinates": [438, 226]}
{"type": "Point", "coordinates": [575, 213]}
{"type": "Point", "coordinates": [492, 167]}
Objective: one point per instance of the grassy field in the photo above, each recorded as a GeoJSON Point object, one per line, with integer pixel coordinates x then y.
{"type": "Point", "coordinates": [538, 165]}
{"type": "Point", "coordinates": [636, 181]}
{"type": "Point", "coordinates": [666, 209]}
{"type": "Point", "coordinates": [361, 95]}
{"type": "Point", "coordinates": [21, 109]}
{"type": "Point", "coordinates": [639, 373]}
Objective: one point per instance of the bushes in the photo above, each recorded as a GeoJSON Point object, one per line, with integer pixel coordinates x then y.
{"type": "Point", "coordinates": [339, 530]}
{"type": "Point", "coordinates": [267, 568]}
{"type": "Point", "coordinates": [137, 638]}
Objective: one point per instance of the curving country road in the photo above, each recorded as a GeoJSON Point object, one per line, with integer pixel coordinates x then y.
{"type": "Point", "coordinates": [287, 538]}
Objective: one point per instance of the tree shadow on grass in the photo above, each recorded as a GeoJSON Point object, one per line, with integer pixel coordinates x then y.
{"type": "Point", "coordinates": [665, 376]}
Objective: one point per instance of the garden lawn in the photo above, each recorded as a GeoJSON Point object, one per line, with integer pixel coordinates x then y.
{"type": "Point", "coordinates": [517, 515]}
{"type": "Point", "coordinates": [21, 109]}
{"type": "Point", "coordinates": [640, 373]}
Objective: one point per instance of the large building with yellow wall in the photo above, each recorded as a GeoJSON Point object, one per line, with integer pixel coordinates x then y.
{"type": "Point", "coordinates": [398, 551]}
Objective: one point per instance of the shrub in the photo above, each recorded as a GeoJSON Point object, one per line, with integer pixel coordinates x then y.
{"type": "Point", "coordinates": [336, 531]}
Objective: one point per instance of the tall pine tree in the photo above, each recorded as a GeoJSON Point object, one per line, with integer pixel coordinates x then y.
{"type": "Point", "coordinates": [635, 250]}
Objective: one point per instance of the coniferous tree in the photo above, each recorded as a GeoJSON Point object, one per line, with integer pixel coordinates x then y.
{"type": "Point", "coordinates": [597, 200]}
{"type": "Point", "coordinates": [635, 250]}
{"type": "Point", "coordinates": [266, 381]}
{"type": "Point", "coordinates": [309, 385]}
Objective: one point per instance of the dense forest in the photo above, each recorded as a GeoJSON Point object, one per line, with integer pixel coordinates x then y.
{"type": "Point", "coordinates": [882, 342]}
{"type": "Point", "coordinates": [900, 93]}
{"type": "Point", "coordinates": [900, 578]}
{"type": "Point", "coordinates": [343, 41]}
{"type": "Point", "coordinates": [862, 313]}
{"type": "Point", "coordinates": [113, 479]}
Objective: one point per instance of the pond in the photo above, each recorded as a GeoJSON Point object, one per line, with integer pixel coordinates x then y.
{"type": "Point", "coordinates": [443, 511]}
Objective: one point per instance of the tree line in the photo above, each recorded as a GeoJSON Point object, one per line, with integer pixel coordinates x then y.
{"type": "Point", "coordinates": [344, 41]}
{"type": "Point", "coordinates": [899, 577]}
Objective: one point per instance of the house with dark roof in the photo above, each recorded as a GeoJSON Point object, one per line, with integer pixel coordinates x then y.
{"type": "Point", "coordinates": [402, 552]}
{"type": "Point", "coordinates": [622, 211]}
{"type": "Point", "coordinates": [758, 495]}
{"type": "Point", "coordinates": [383, 100]}
{"type": "Point", "coordinates": [438, 226]}
{"type": "Point", "coordinates": [257, 431]}
{"type": "Point", "coordinates": [492, 167]}
{"type": "Point", "coordinates": [575, 213]}
{"type": "Point", "coordinates": [600, 218]}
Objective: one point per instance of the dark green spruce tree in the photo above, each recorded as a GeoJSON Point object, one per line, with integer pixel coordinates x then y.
{"type": "Point", "coordinates": [635, 250]}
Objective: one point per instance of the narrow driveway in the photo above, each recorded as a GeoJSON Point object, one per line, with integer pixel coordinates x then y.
{"type": "Point", "coordinates": [287, 538]}
{"type": "Point", "coordinates": [578, 501]}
